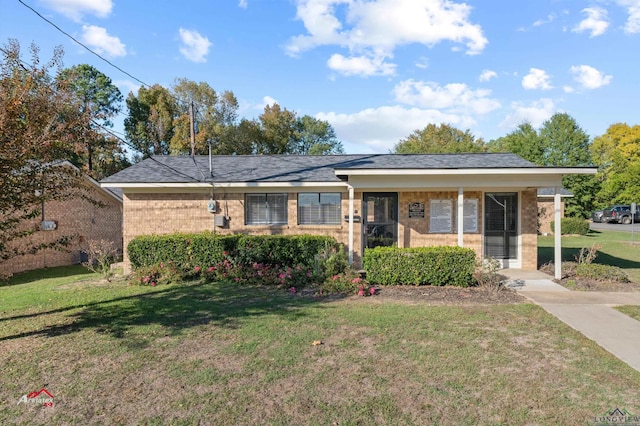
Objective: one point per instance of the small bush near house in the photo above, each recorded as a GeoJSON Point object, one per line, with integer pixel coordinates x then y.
{"type": "Point", "coordinates": [160, 273]}
{"type": "Point", "coordinates": [100, 255]}
{"type": "Point", "coordinates": [595, 271]}
{"type": "Point", "coordinates": [420, 266]}
{"type": "Point", "coordinates": [348, 282]}
{"type": "Point", "coordinates": [572, 226]}
{"type": "Point", "coordinates": [486, 274]}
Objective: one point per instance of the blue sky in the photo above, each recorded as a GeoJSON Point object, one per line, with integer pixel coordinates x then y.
{"type": "Point", "coordinates": [375, 69]}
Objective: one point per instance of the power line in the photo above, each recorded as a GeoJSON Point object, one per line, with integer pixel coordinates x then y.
{"type": "Point", "coordinates": [81, 44]}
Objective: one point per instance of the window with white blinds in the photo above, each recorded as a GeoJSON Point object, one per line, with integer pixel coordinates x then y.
{"type": "Point", "coordinates": [265, 209]}
{"type": "Point", "coordinates": [319, 208]}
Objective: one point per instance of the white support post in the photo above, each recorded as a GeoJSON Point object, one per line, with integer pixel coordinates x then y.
{"type": "Point", "coordinates": [460, 216]}
{"type": "Point", "coordinates": [557, 235]}
{"type": "Point", "coordinates": [350, 225]}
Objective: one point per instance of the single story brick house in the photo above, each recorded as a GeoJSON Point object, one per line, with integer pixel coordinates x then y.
{"type": "Point", "coordinates": [485, 201]}
{"type": "Point", "coordinates": [75, 217]}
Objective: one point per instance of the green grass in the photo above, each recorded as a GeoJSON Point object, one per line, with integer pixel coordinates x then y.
{"type": "Point", "coordinates": [228, 354]}
{"type": "Point", "coordinates": [615, 249]}
{"type": "Point", "coordinates": [631, 310]}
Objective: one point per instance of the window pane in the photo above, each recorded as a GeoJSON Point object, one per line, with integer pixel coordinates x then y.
{"type": "Point", "coordinates": [330, 208]}
{"type": "Point", "coordinates": [277, 209]}
{"type": "Point", "coordinates": [319, 208]}
{"type": "Point", "coordinates": [255, 209]}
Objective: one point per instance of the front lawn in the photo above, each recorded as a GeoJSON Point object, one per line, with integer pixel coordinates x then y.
{"type": "Point", "coordinates": [228, 354]}
{"type": "Point", "coordinates": [616, 249]}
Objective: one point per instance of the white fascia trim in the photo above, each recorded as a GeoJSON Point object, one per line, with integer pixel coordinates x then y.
{"type": "Point", "coordinates": [501, 171]}
{"type": "Point", "coordinates": [225, 185]}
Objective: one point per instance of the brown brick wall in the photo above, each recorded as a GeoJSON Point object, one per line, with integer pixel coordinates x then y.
{"type": "Point", "coordinates": [154, 213]}
{"type": "Point", "coordinates": [414, 232]}
{"type": "Point", "coordinates": [529, 229]}
{"type": "Point", "coordinates": [546, 213]}
{"type": "Point", "coordinates": [77, 218]}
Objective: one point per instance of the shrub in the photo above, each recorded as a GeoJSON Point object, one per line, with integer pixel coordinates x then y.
{"type": "Point", "coordinates": [486, 275]}
{"type": "Point", "coordinates": [285, 250]}
{"type": "Point", "coordinates": [160, 273]}
{"type": "Point", "coordinates": [420, 265]}
{"type": "Point", "coordinates": [100, 255]}
{"type": "Point", "coordinates": [598, 272]}
{"type": "Point", "coordinates": [572, 226]}
{"type": "Point", "coordinates": [184, 250]}
{"type": "Point", "coordinates": [348, 282]}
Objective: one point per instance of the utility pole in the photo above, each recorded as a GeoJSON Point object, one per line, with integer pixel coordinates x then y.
{"type": "Point", "coordinates": [192, 128]}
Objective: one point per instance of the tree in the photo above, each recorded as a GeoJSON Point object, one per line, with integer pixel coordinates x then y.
{"type": "Point", "coordinates": [567, 145]}
{"type": "Point", "coordinates": [524, 141]}
{"type": "Point", "coordinates": [215, 116]}
{"type": "Point", "coordinates": [316, 137]}
{"type": "Point", "coordinates": [439, 139]}
{"type": "Point", "coordinates": [101, 100]}
{"type": "Point", "coordinates": [617, 154]}
{"type": "Point", "coordinates": [150, 123]}
{"type": "Point", "coordinates": [278, 131]}
{"type": "Point", "coordinates": [40, 123]}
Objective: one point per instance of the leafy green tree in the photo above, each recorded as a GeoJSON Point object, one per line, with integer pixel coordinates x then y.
{"type": "Point", "coordinates": [617, 154]}
{"type": "Point", "coordinates": [150, 124]}
{"type": "Point", "coordinates": [41, 121]}
{"type": "Point", "coordinates": [316, 137]}
{"type": "Point", "coordinates": [567, 145]}
{"type": "Point", "coordinates": [101, 100]}
{"type": "Point", "coordinates": [278, 131]}
{"type": "Point", "coordinates": [215, 116]}
{"type": "Point", "coordinates": [523, 141]}
{"type": "Point", "coordinates": [439, 139]}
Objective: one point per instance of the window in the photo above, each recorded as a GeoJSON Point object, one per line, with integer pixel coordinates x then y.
{"type": "Point", "coordinates": [265, 209]}
{"type": "Point", "coordinates": [319, 208]}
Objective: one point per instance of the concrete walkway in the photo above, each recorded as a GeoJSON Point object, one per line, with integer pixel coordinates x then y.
{"type": "Point", "coordinates": [591, 313]}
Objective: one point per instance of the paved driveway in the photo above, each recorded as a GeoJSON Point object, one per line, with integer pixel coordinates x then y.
{"type": "Point", "coordinates": [616, 227]}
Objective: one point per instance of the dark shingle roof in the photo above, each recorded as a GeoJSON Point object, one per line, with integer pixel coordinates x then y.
{"type": "Point", "coordinates": [298, 168]}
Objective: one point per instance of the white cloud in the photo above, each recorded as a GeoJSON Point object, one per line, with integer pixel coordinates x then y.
{"type": "Point", "coordinates": [127, 86]}
{"type": "Point", "coordinates": [195, 47]}
{"type": "Point", "coordinates": [536, 79]}
{"type": "Point", "coordinates": [589, 77]}
{"type": "Point", "coordinates": [534, 112]}
{"type": "Point", "coordinates": [98, 39]}
{"type": "Point", "coordinates": [550, 18]}
{"type": "Point", "coordinates": [377, 130]}
{"type": "Point", "coordinates": [374, 29]}
{"type": "Point", "coordinates": [568, 89]}
{"type": "Point", "coordinates": [75, 9]}
{"type": "Point", "coordinates": [487, 75]}
{"type": "Point", "coordinates": [243, 4]}
{"type": "Point", "coordinates": [360, 65]}
{"type": "Point", "coordinates": [454, 97]}
{"type": "Point", "coordinates": [422, 63]}
{"type": "Point", "coordinates": [267, 100]}
{"type": "Point", "coordinates": [632, 25]}
{"type": "Point", "coordinates": [596, 22]}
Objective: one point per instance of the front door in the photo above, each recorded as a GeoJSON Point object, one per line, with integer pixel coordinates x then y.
{"type": "Point", "coordinates": [380, 219]}
{"type": "Point", "coordinates": [501, 225]}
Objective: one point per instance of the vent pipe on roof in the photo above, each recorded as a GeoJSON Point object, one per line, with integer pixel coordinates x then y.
{"type": "Point", "coordinates": [210, 167]}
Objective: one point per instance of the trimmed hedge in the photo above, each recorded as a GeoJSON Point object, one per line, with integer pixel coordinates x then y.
{"type": "Point", "coordinates": [205, 249]}
{"type": "Point", "coordinates": [438, 265]}
{"type": "Point", "coordinates": [598, 272]}
{"type": "Point", "coordinates": [572, 226]}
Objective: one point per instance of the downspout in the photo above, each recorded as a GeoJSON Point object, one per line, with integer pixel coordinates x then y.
{"type": "Point", "coordinates": [350, 224]}
{"type": "Point", "coordinates": [460, 215]}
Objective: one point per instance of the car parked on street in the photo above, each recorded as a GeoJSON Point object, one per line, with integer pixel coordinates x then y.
{"type": "Point", "coordinates": [596, 216]}
{"type": "Point", "coordinates": [619, 214]}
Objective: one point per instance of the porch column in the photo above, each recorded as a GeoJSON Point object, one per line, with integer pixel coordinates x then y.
{"type": "Point", "coordinates": [350, 225]}
{"type": "Point", "coordinates": [557, 234]}
{"type": "Point", "coordinates": [460, 216]}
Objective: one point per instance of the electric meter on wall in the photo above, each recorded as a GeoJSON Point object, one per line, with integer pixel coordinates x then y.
{"type": "Point", "coordinates": [212, 206]}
